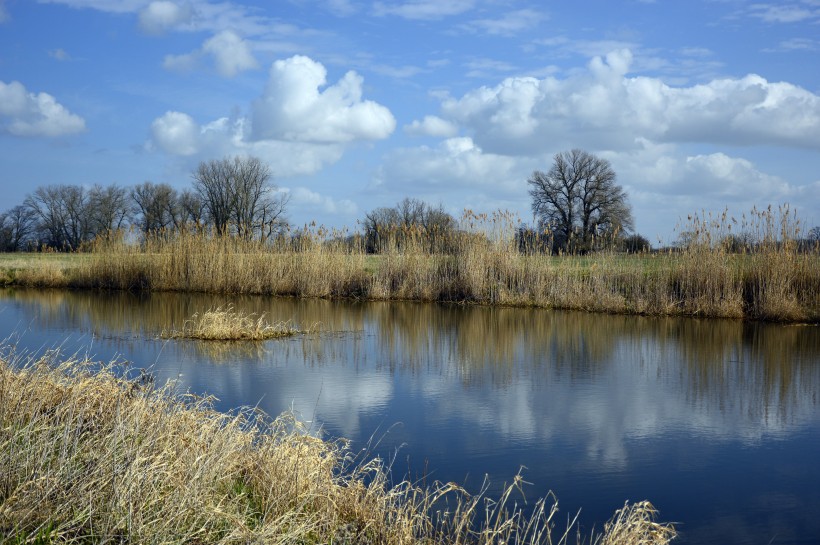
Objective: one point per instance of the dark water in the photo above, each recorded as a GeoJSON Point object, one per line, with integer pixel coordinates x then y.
{"type": "Point", "coordinates": [716, 422]}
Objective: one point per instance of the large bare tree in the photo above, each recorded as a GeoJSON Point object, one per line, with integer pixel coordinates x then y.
{"type": "Point", "coordinates": [63, 215]}
{"type": "Point", "coordinates": [238, 197]}
{"type": "Point", "coordinates": [16, 228]}
{"type": "Point", "coordinates": [578, 199]}
{"type": "Point", "coordinates": [109, 207]}
{"type": "Point", "coordinates": [156, 206]}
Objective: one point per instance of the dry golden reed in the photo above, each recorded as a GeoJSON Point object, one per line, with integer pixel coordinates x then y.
{"type": "Point", "coordinates": [756, 268]}
{"type": "Point", "coordinates": [218, 324]}
{"type": "Point", "coordinates": [89, 457]}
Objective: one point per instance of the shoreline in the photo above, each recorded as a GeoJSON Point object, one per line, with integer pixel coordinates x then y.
{"type": "Point", "coordinates": [89, 456]}
{"type": "Point", "coordinates": [779, 284]}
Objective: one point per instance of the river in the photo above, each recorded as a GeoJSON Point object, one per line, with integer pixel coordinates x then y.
{"type": "Point", "coordinates": [716, 422]}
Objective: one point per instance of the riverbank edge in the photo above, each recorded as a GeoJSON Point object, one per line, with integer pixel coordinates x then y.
{"type": "Point", "coordinates": [88, 456]}
{"type": "Point", "coordinates": [778, 286]}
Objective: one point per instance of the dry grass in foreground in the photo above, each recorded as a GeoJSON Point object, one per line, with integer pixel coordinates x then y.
{"type": "Point", "coordinates": [88, 457]}
{"type": "Point", "coordinates": [230, 325]}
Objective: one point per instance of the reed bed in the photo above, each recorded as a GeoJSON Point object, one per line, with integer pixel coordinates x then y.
{"type": "Point", "coordinates": [756, 268]}
{"type": "Point", "coordinates": [218, 324]}
{"type": "Point", "coordinates": [87, 456]}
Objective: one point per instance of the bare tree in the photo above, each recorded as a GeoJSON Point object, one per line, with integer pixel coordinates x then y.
{"type": "Point", "coordinates": [156, 206]}
{"type": "Point", "coordinates": [636, 244]}
{"type": "Point", "coordinates": [212, 182]}
{"type": "Point", "coordinates": [272, 219]}
{"type": "Point", "coordinates": [579, 200]}
{"type": "Point", "coordinates": [439, 227]}
{"type": "Point", "coordinates": [384, 226]}
{"type": "Point", "coordinates": [16, 228]}
{"type": "Point", "coordinates": [109, 207]}
{"type": "Point", "coordinates": [44, 203]}
{"type": "Point", "coordinates": [63, 215]}
{"type": "Point", "coordinates": [253, 199]}
{"type": "Point", "coordinates": [379, 227]}
{"type": "Point", "coordinates": [238, 197]}
{"type": "Point", "coordinates": [192, 207]}
{"type": "Point", "coordinates": [78, 226]}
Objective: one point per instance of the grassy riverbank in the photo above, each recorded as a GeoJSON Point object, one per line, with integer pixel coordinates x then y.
{"type": "Point", "coordinates": [770, 277]}
{"type": "Point", "coordinates": [87, 457]}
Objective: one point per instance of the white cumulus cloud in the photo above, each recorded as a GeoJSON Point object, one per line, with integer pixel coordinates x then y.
{"type": "Point", "coordinates": [509, 24]}
{"type": "Point", "coordinates": [163, 15]}
{"type": "Point", "coordinates": [663, 182]}
{"type": "Point", "coordinates": [306, 132]}
{"type": "Point", "coordinates": [730, 178]}
{"type": "Point", "coordinates": [231, 53]}
{"type": "Point", "coordinates": [28, 114]}
{"type": "Point", "coordinates": [779, 13]}
{"type": "Point", "coordinates": [295, 108]}
{"type": "Point", "coordinates": [176, 133]}
{"type": "Point", "coordinates": [431, 125]}
{"type": "Point", "coordinates": [182, 63]}
{"type": "Point", "coordinates": [306, 198]}
{"type": "Point", "coordinates": [341, 8]}
{"type": "Point", "coordinates": [456, 162]}
{"type": "Point", "coordinates": [179, 134]}
{"type": "Point", "coordinates": [603, 108]}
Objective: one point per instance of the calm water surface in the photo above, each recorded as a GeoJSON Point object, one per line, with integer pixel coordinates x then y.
{"type": "Point", "coordinates": [716, 422]}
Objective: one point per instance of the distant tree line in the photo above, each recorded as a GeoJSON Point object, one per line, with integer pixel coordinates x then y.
{"type": "Point", "coordinates": [231, 196]}
{"type": "Point", "coordinates": [577, 204]}
{"type": "Point", "coordinates": [411, 221]}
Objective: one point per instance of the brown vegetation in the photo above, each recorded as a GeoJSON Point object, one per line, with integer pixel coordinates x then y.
{"type": "Point", "coordinates": [89, 457]}
{"type": "Point", "coordinates": [218, 324]}
{"type": "Point", "coordinates": [756, 269]}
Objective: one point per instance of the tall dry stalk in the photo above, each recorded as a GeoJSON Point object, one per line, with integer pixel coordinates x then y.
{"type": "Point", "coordinates": [755, 268]}
{"type": "Point", "coordinates": [89, 457]}
{"type": "Point", "coordinates": [227, 324]}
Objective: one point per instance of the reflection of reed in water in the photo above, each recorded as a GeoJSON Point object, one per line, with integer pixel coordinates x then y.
{"type": "Point", "coordinates": [148, 465]}
{"type": "Point", "coordinates": [226, 351]}
{"type": "Point", "coordinates": [763, 371]}
{"type": "Point", "coordinates": [146, 314]}
{"type": "Point", "coordinates": [760, 372]}
{"type": "Point", "coordinates": [496, 343]}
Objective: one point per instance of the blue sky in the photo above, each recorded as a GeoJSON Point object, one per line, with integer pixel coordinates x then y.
{"type": "Point", "coordinates": [698, 105]}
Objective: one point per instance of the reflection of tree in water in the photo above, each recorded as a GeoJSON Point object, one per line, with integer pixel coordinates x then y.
{"type": "Point", "coordinates": [576, 345]}
{"type": "Point", "coordinates": [497, 343]}
{"type": "Point", "coordinates": [147, 314]}
{"type": "Point", "coordinates": [124, 319]}
{"type": "Point", "coordinates": [468, 342]}
{"type": "Point", "coordinates": [761, 372]}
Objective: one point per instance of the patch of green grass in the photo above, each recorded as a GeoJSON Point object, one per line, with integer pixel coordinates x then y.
{"type": "Point", "coordinates": [28, 260]}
